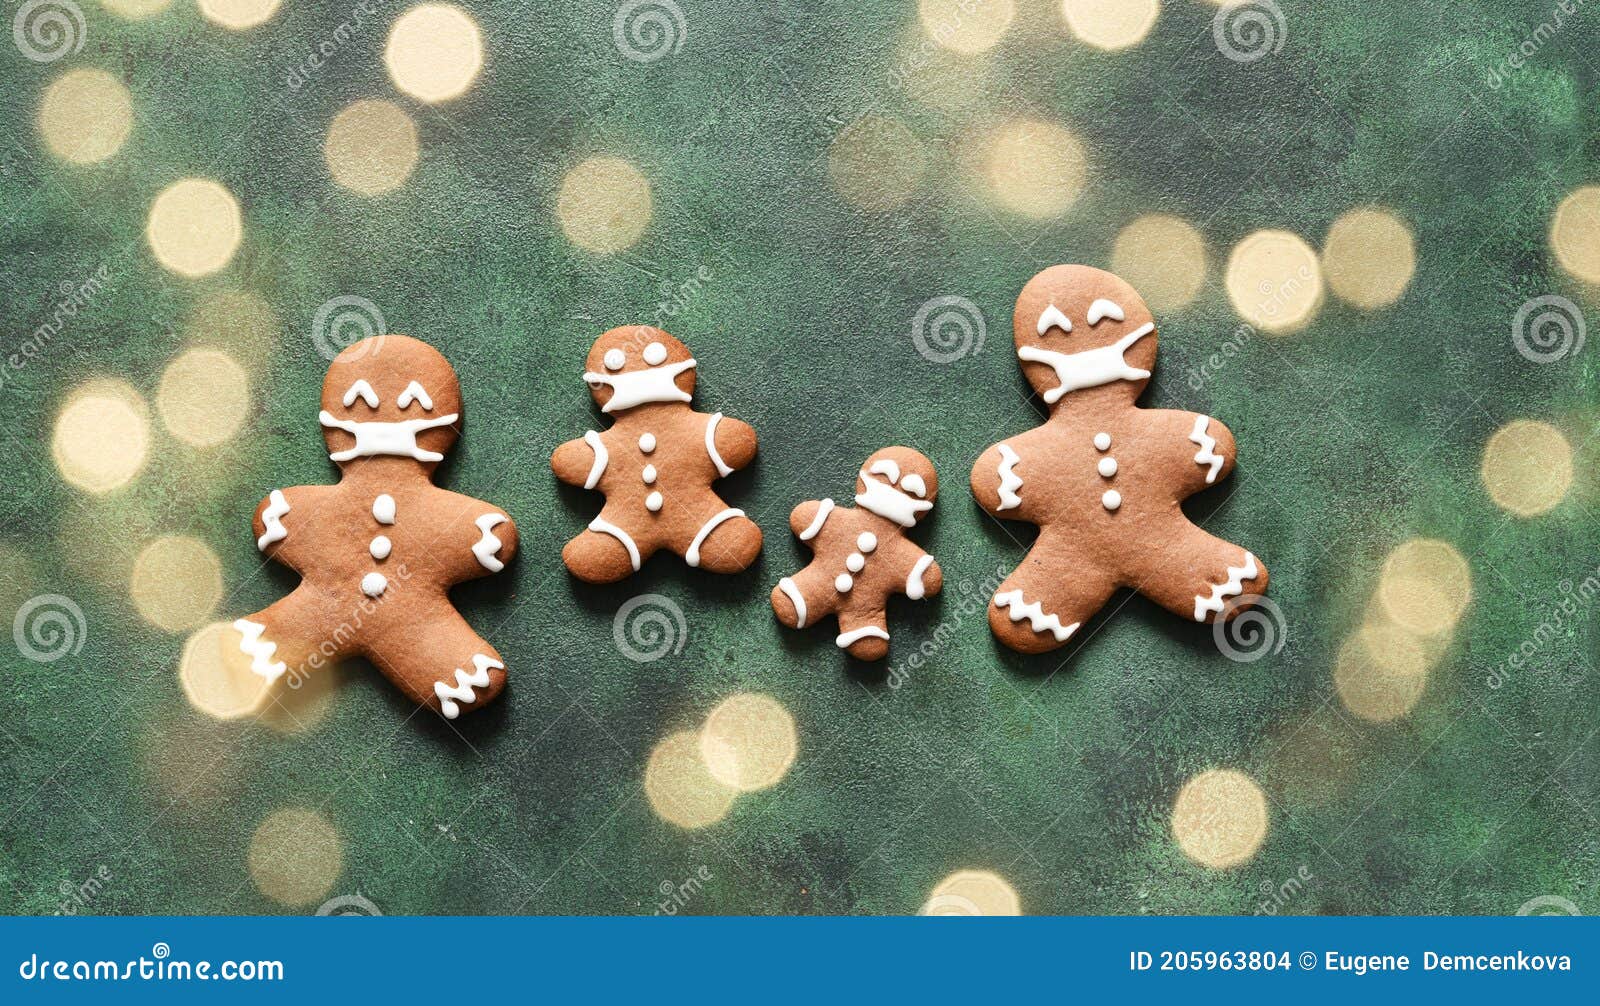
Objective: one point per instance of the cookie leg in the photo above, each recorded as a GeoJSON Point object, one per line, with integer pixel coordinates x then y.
{"type": "Point", "coordinates": [441, 663]}
{"type": "Point", "coordinates": [805, 598]}
{"type": "Point", "coordinates": [864, 633]}
{"type": "Point", "coordinates": [291, 637]}
{"type": "Point", "coordinates": [727, 542]}
{"type": "Point", "coordinates": [1195, 575]}
{"type": "Point", "coordinates": [1042, 604]}
{"type": "Point", "coordinates": [602, 554]}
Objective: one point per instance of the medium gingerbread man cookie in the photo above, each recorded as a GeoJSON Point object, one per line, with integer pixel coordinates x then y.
{"type": "Point", "coordinates": [377, 552]}
{"type": "Point", "coordinates": [655, 464]}
{"type": "Point", "coordinates": [863, 554]}
{"type": "Point", "coordinates": [1102, 477]}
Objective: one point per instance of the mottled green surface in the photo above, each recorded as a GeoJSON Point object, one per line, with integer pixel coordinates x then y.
{"type": "Point", "coordinates": [1059, 772]}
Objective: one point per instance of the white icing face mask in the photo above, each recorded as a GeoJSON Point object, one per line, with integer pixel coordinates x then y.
{"type": "Point", "coordinates": [385, 438]}
{"type": "Point", "coordinates": [640, 386]}
{"type": "Point", "coordinates": [890, 503]}
{"type": "Point", "coordinates": [1090, 368]}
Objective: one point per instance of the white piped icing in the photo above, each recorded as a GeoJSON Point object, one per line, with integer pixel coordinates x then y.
{"type": "Point", "coordinates": [637, 387]}
{"type": "Point", "coordinates": [602, 458]}
{"type": "Point", "coordinates": [723, 468]}
{"type": "Point", "coordinates": [259, 650]}
{"type": "Point", "coordinates": [1111, 499]}
{"type": "Point", "coordinates": [1102, 309]}
{"type": "Point", "coordinates": [1102, 441]}
{"type": "Point", "coordinates": [887, 467]}
{"type": "Point", "coordinates": [914, 585]}
{"type": "Point", "coordinates": [414, 392]}
{"type": "Point", "coordinates": [795, 598]}
{"type": "Point", "coordinates": [845, 639]}
{"type": "Point", "coordinates": [655, 354]}
{"type": "Point", "coordinates": [1090, 368]}
{"type": "Point", "coordinates": [383, 509]}
{"type": "Point", "coordinates": [272, 520]}
{"type": "Point", "coordinates": [855, 562]}
{"type": "Point", "coordinates": [1207, 454]}
{"type": "Point", "coordinates": [914, 485]}
{"type": "Point", "coordinates": [647, 442]}
{"type": "Point", "coordinates": [1230, 587]}
{"type": "Point", "coordinates": [843, 582]}
{"type": "Point", "coordinates": [890, 503]}
{"type": "Point", "coordinates": [1034, 612]}
{"type": "Point", "coordinates": [615, 359]}
{"type": "Point", "coordinates": [380, 547]}
{"type": "Point", "coordinates": [823, 510]}
{"type": "Point", "coordinates": [604, 526]}
{"type": "Point", "coordinates": [654, 502]}
{"type": "Point", "coordinates": [364, 390]}
{"type": "Point", "coordinates": [1107, 467]}
{"type": "Point", "coordinates": [462, 690]}
{"type": "Point", "coordinates": [866, 541]}
{"type": "Point", "coordinates": [1051, 317]}
{"type": "Point", "coordinates": [1010, 481]}
{"type": "Point", "coordinates": [649, 475]}
{"type": "Point", "coordinates": [488, 544]}
{"type": "Point", "coordinates": [374, 584]}
{"type": "Point", "coordinates": [386, 438]}
{"type": "Point", "coordinates": [692, 556]}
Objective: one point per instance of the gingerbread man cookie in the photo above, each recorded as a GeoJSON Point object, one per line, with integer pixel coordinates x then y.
{"type": "Point", "coordinates": [655, 464]}
{"type": "Point", "coordinates": [863, 554]}
{"type": "Point", "coordinates": [377, 552]}
{"type": "Point", "coordinates": [1102, 477]}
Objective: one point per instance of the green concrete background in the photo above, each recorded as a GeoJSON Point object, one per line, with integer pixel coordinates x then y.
{"type": "Point", "coordinates": [1059, 772]}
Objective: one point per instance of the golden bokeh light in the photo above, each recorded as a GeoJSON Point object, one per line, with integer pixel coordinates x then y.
{"type": "Point", "coordinates": [973, 892]}
{"type": "Point", "coordinates": [680, 788]}
{"type": "Point", "coordinates": [964, 26]}
{"type": "Point", "coordinates": [371, 147]}
{"type": "Point", "coordinates": [194, 227]}
{"type": "Point", "coordinates": [295, 856]}
{"type": "Point", "coordinates": [1369, 257]}
{"type": "Point", "coordinates": [85, 116]}
{"type": "Point", "coordinates": [877, 162]}
{"type": "Point", "coordinates": [1425, 585]}
{"type": "Point", "coordinates": [136, 10]}
{"type": "Point", "coordinates": [1110, 24]}
{"type": "Point", "coordinates": [1527, 467]}
{"type": "Point", "coordinates": [1220, 818]}
{"type": "Point", "coordinates": [604, 204]}
{"type": "Point", "coordinates": [203, 397]}
{"type": "Point", "coordinates": [215, 674]}
{"type": "Point", "coordinates": [1575, 233]}
{"type": "Point", "coordinates": [238, 322]}
{"type": "Point", "coordinates": [749, 742]}
{"type": "Point", "coordinates": [434, 52]}
{"type": "Point", "coordinates": [237, 15]}
{"type": "Point", "coordinates": [1274, 281]}
{"type": "Point", "coordinates": [101, 436]}
{"type": "Point", "coordinates": [1163, 257]}
{"type": "Point", "coordinates": [1380, 673]}
{"type": "Point", "coordinates": [295, 704]}
{"type": "Point", "coordinates": [176, 582]}
{"type": "Point", "coordinates": [1035, 168]}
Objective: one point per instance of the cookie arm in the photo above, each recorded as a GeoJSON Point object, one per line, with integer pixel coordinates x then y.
{"type": "Point", "coordinates": [809, 517]}
{"type": "Point", "coordinates": [280, 520]}
{"type": "Point", "coordinates": [925, 578]}
{"type": "Point", "coordinates": [1198, 448]}
{"type": "Point", "coordinates": [730, 443]}
{"type": "Point", "coordinates": [481, 538]}
{"type": "Point", "coordinates": [581, 462]}
{"type": "Point", "coordinates": [999, 481]}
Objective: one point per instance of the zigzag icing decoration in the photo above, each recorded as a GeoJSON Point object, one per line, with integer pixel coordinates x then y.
{"type": "Point", "coordinates": [1206, 455]}
{"type": "Point", "coordinates": [484, 549]}
{"type": "Point", "coordinates": [272, 518]}
{"type": "Point", "coordinates": [1035, 614]}
{"type": "Point", "coordinates": [1234, 585]}
{"type": "Point", "coordinates": [462, 691]}
{"type": "Point", "coordinates": [1010, 481]}
{"type": "Point", "coordinates": [259, 650]}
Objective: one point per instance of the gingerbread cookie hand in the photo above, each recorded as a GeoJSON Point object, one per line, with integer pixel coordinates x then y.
{"type": "Point", "coordinates": [862, 554]}
{"type": "Point", "coordinates": [378, 551]}
{"type": "Point", "coordinates": [1103, 478]}
{"type": "Point", "coordinates": [655, 465]}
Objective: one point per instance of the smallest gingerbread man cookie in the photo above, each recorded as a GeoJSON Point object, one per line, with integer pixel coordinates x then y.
{"type": "Point", "coordinates": [862, 555]}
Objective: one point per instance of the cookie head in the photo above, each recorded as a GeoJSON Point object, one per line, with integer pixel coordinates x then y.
{"type": "Point", "coordinates": [899, 484]}
{"type": "Point", "coordinates": [636, 365]}
{"type": "Point", "coordinates": [390, 395]}
{"type": "Point", "coordinates": [1079, 328]}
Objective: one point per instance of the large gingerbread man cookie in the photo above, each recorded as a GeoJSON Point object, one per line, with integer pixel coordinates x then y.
{"type": "Point", "coordinates": [377, 552]}
{"type": "Point", "coordinates": [862, 553]}
{"type": "Point", "coordinates": [655, 464]}
{"type": "Point", "coordinates": [1103, 478]}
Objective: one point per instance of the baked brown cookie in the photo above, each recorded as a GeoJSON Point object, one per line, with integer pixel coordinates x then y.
{"type": "Point", "coordinates": [377, 552]}
{"type": "Point", "coordinates": [863, 554]}
{"type": "Point", "coordinates": [655, 464]}
{"type": "Point", "coordinates": [1102, 477]}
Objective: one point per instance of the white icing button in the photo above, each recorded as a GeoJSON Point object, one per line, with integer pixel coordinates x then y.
{"type": "Point", "coordinates": [615, 358]}
{"type": "Point", "coordinates": [380, 547]}
{"type": "Point", "coordinates": [1102, 441]}
{"type": "Point", "coordinates": [843, 583]}
{"type": "Point", "coordinates": [374, 584]}
{"type": "Point", "coordinates": [649, 475]}
{"type": "Point", "coordinates": [652, 502]}
{"type": "Point", "coordinates": [1108, 467]}
{"type": "Point", "coordinates": [647, 442]}
{"type": "Point", "coordinates": [655, 353]}
{"type": "Point", "coordinates": [1111, 500]}
{"type": "Point", "coordinates": [383, 509]}
{"type": "Point", "coordinates": [854, 561]}
{"type": "Point", "coordinates": [867, 541]}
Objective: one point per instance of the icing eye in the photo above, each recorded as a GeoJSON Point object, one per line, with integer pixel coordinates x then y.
{"type": "Point", "coordinates": [414, 393]}
{"type": "Point", "coordinates": [887, 468]}
{"type": "Point", "coordinates": [364, 391]}
{"type": "Point", "coordinates": [615, 359]}
{"type": "Point", "coordinates": [1052, 317]}
{"type": "Point", "coordinates": [655, 353]}
{"type": "Point", "coordinates": [914, 485]}
{"type": "Point", "coordinates": [1103, 308]}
